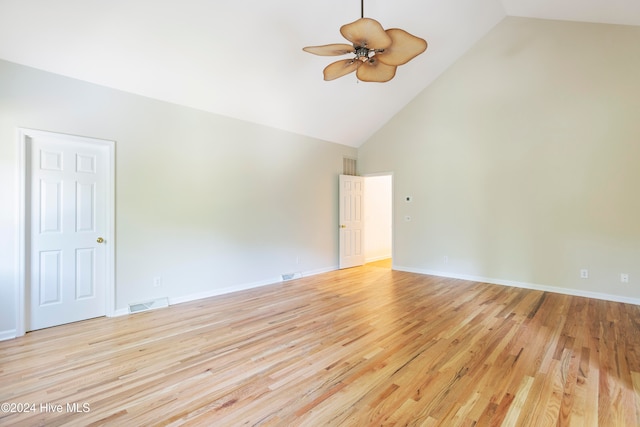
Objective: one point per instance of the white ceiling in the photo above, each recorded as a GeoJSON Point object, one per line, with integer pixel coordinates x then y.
{"type": "Point", "coordinates": [244, 58]}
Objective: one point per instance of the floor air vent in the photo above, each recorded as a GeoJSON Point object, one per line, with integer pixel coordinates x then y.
{"type": "Point", "coordinates": [149, 305]}
{"type": "Point", "coordinates": [291, 276]}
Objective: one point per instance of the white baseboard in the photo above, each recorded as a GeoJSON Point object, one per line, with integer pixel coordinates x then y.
{"type": "Point", "coordinates": [7, 335]}
{"type": "Point", "coordinates": [229, 289]}
{"type": "Point", "coordinates": [320, 271]}
{"type": "Point", "coordinates": [120, 312]}
{"type": "Point", "coordinates": [243, 287]}
{"type": "Point", "coordinates": [222, 291]}
{"type": "Point", "coordinates": [10, 334]}
{"type": "Point", "coordinates": [524, 285]}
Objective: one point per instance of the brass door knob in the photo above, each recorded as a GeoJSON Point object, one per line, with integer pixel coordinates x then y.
{"type": "Point", "coordinates": [100, 240]}
{"type": "Point", "coordinates": [343, 226]}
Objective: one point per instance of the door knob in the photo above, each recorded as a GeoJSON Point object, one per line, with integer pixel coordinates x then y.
{"type": "Point", "coordinates": [343, 226]}
{"type": "Point", "coordinates": [100, 240]}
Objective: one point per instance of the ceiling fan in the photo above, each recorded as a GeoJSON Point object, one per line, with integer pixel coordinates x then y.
{"type": "Point", "coordinates": [377, 52]}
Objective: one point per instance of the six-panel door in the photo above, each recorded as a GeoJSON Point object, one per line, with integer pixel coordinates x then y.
{"type": "Point", "coordinates": [68, 202]}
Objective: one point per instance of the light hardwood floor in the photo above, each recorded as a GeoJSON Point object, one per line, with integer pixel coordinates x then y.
{"type": "Point", "coordinates": [357, 347]}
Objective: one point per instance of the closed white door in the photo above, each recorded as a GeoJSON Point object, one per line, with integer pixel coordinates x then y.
{"type": "Point", "coordinates": [351, 195]}
{"type": "Point", "coordinates": [66, 229]}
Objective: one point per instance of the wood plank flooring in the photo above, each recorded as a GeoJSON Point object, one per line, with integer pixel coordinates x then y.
{"type": "Point", "coordinates": [357, 347]}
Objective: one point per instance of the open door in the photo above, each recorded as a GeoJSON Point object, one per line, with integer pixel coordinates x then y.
{"type": "Point", "coordinates": [351, 195]}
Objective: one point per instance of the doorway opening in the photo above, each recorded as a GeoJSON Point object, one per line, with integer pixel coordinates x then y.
{"type": "Point", "coordinates": [378, 229]}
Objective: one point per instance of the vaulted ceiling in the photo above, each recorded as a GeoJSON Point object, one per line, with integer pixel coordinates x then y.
{"type": "Point", "coordinates": [244, 58]}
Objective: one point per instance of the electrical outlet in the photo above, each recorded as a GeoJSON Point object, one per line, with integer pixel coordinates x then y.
{"type": "Point", "coordinates": [446, 259]}
{"type": "Point", "coordinates": [157, 282]}
{"type": "Point", "coordinates": [624, 277]}
{"type": "Point", "coordinates": [584, 273]}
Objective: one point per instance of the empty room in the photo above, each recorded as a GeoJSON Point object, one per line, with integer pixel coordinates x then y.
{"type": "Point", "coordinates": [341, 213]}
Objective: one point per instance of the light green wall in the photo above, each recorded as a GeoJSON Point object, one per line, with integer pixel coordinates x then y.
{"type": "Point", "coordinates": [207, 202]}
{"type": "Point", "coordinates": [524, 161]}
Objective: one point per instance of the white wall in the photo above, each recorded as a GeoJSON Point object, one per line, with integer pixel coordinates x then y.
{"type": "Point", "coordinates": [207, 202]}
{"type": "Point", "coordinates": [523, 161]}
{"type": "Point", "coordinates": [378, 213]}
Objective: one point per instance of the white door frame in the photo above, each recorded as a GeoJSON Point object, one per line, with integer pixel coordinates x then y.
{"type": "Point", "coordinates": [23, 206]}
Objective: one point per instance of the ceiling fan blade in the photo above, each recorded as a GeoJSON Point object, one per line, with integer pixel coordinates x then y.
{"type": "Point", "coordinates": [330, 49]}
{"type": "Point", "coordinates": [366, 32]}
{"type": "Point", "coordinates": [376, 71]}
{"type": "Point", "coordinates": [404, 48]}
{"type": "Point", "coordinates": [340, 68]}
